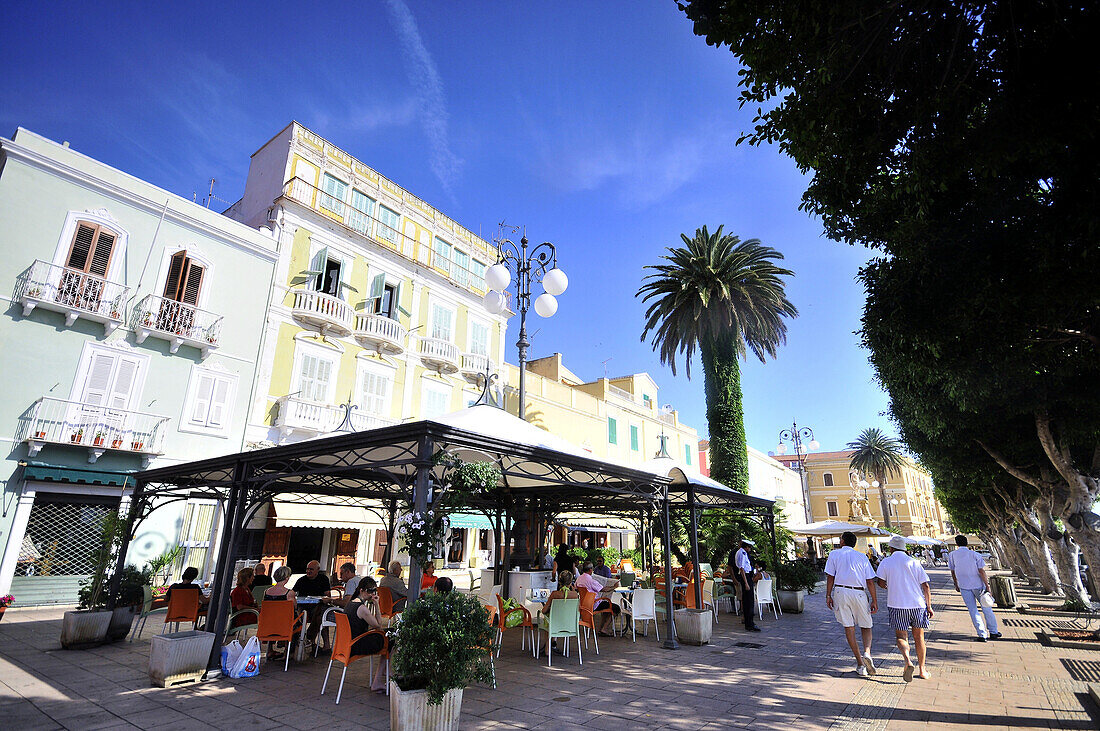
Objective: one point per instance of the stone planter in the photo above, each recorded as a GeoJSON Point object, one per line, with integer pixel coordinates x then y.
{"type": "Point", "coordinates": [1004, 591]}
{"type": "Point", "coordinates": [84, 628]}
{"type": "Point", "coordinates": [179, 657]}
{"type": "Point", "coordinates": [121, 621]}
{"type": "Point", "coordinates": [693, 626]}
{"type": "Point", "coordinates": [409, 710]}
{"type": "Point", "coordinates": [792, 601]}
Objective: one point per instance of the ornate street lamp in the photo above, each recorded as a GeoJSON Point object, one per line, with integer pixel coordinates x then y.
{"type": "Point", "coordinates": [537, 266]}
{"type": "Point", "coordinates": [800, 438]}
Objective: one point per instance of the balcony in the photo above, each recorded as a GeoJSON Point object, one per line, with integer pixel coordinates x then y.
{"type": "Point", "coordinates": [73, 293]}
{"type": "Point", "coordinates": [311, 418]}
{"type": "Point", "coordinates": [95, 428]}
{"type": "Point", "coordinates": [380, 332]}
{"type": "Point", "coordinates": [620, 392]}
{"type": "Point", "coordinates": [475, 365]}
{"type": "Point", "coordinates": [328, 314]}
{"type": "Point", "coordinates": [441, 355]}
{"type": "Point", "coordinates": [176, 322]}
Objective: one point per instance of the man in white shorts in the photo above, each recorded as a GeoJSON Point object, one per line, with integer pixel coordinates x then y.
{"type": "Point", "coordinates": [849, 580]}
{"type": "Point", "coordinates": [909, 602]}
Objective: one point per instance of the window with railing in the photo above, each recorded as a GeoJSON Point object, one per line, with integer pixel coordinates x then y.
{"type": "Point", "coordinates": [332, 195]}
{"type": "Point", "coordinates": [461, 272]}
{"type": "Point", "coordinates": [479, 338]}
{"type": "Point", "coordinates": [360, 212]}
{"type": "Point", "coordinates": [441, 255]}
{"type": "Point", "coordinates": [442, 325]}
{"type": "Point", "coordinates": [388, 223]}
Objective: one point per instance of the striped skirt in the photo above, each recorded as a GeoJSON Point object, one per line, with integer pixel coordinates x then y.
{"type": "Point", "coordinates": [903, 619]}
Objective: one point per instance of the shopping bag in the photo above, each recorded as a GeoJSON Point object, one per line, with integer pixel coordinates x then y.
{"type": "Point", "coordinates": [987, 600]}
{"type": "Point", "coordinates": [248, 662]}
{"type": "Point", "coordinates": [515, 618]}
{"type": "Point", "coordinates": [230, 653]}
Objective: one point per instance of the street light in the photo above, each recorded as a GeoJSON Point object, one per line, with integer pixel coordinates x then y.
{"type": "Point", "coordinates": [539, 265]}
{"type": "Point", "coordinates": [797, 436]}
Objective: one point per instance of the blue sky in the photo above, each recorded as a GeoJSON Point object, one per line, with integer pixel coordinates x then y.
{"type": "Point", "coordinates": [607, 128]}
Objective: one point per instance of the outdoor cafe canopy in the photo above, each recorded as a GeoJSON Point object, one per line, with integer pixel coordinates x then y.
{"type": "Point", "coordinates": [396, 466]}
{"type": "Point", "coordinates": [833, 528]}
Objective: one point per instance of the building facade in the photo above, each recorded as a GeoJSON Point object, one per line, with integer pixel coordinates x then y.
{"type": "Point", "coordinates": [911, 503]}
{"type": "Point", "coordinates": [376, 317]}
{"type": "Point", "coordinates": [131, 336]}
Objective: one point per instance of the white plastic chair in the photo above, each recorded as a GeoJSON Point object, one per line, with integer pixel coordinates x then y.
{"type": "Point", "coordinates": [764, 596]}
{"type": "Point", "coordinates": [708, 598]}
{"type": "Point", "coordinates": [642, 608]}
{"type": "Point", "coordinates": [327, 621]}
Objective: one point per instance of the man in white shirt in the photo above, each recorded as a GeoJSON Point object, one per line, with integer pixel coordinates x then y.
{"type": "Point", "coordinates": [968, 573]}
{"type": "Point", "coordinates": [909, 602]}
{"type": "Point", "coordinates": [746, 576]}
{"type": "Point", "coordinates": [849, 579]}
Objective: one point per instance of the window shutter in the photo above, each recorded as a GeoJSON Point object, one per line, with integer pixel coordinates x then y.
{"type": "Point", "coordinates": [219, 403]}
{"type": "Point", "coordinates": [192, 283]}
{"type": "Point", "coordinates": [201, 410]}
{"type": "Point", "coordinates": [125, 380]}
{"type": "Point", "coordinates": [324, 376]}
{"type": "Point", "coordinates": [317, 267]}
{"type": "Point", "coordinates": [399, 304]}
{"type": "Point", "coordinates": [175, 275]}
{"type": "Point", "coordinates": [81, 250]}
{"type": "Point", "coordinates": [98, 382]}
{"type": "Point", "coordinates": [307, 376]}
{"type": "Point", "coordinates": [101, 254]}
{"type": "Point", "coordinates": [377, 285]}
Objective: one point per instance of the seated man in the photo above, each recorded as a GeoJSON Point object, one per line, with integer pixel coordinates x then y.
{"type": "Point", "coordinates": [443, 585]}
{"type": "Point", "coordinates": [591, 583]}
{"type": "Point", "coordinates": [351, 583]}
{"type": "Point", "coordinates": [314, 583]}
{"type": "Point", "coordinates": [393, 581]}
{"type": "Point", "coordinates": [602, 568]}
{"type": "Point", "coordinates": [260, 577]}
{"type": "Point", "coordinates": [187, 581]}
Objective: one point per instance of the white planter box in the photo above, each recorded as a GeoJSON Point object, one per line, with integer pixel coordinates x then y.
{"type": "Point", "coordinates": [409, 710]}
{"type": "Point", "coordinates": [84, 628]}
{"type": "Point", "coordinates": [122, 619]}
{"type": "Point", "coordinates": [792, 601]}
{"type": "Point", "coordinates": [179, 657]}
{"type": "Point", "coordinates": [693, 626]}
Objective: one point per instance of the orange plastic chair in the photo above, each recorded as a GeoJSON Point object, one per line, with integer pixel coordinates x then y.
{"type": "Point", "coordinates": [385, 604]}
{"type": "Point", "coordinates": [183, 606]}
{"type": "Point", "coordinates": [341, 652]}
{"type": "Point", "coordinates": [588, 620]}
{"type": "Point", "coordinates": [278, 623]}
{"type": "Point", "coordinates": [524, 626]}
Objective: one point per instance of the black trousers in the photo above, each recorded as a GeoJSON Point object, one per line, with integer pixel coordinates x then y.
{"type": "Point", "coordinates": [748, 605]}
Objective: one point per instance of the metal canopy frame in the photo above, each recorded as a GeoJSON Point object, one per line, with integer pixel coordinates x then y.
{"type": "Point", "coordinates": [396, 466]}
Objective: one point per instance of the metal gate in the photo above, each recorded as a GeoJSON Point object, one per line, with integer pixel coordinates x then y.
{"type": "Point", "coordinates": [55, 555]}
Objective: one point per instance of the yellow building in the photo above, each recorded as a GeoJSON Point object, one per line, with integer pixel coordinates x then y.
{"type": "Point", "coordinates": [911, 504]}
{"type": "Point", "coordinates": [375, 316]}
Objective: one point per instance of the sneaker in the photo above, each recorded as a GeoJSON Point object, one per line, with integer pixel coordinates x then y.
{"type": "Point", "coordinates": [861, 671]}
{"type": "Point", "coordinates": [869, 664]}
{"type": "Point", "coordinates": [995, 635]}
{"type": "Point", "coordinates": [980, 638]}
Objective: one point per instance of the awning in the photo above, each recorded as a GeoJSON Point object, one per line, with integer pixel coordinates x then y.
{"type": "Point", "coordinates": [597, 523]}
{"type": "Point", "coordinates": [825, 528]}
{"type": "Point", "coordinates": [51, 473]}
{"type": "Point", "coordinates": [302, 515]}
{"type": "Point", "coordinates": [476, 521]}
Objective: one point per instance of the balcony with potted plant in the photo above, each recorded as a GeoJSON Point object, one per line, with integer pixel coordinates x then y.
{"type": "Point", "coordinates": [177, 322]}
{"type": "Point", "coordinates": [95, 428]}
{"type": "Point", "coordinates": [73, 293]}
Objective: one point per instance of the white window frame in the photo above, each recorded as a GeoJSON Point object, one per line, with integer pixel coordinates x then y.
{"type": "Point", "coordinates": [301, 349]}
{"type": "Point", "coordinates": [428, 385]}
{"type": "Point", "coordinates": [332, 252]}
{"type": "Point", "coordinates": [354, 214]}
{"type": "Point", "coordinates": [827, 479]}
{"type": "Point", "coordinates": [471, 321]}
{"type": "Point", "coordinates": [326, 197]}
{"type": "Point", "coordinates": [100, 217]}
{"type": "Point", "coordinates": [432, 305]}
{"type": "Point", "coordinates": [832, 509]}
{"type": "Point", "coordinates": [118, 348]}
{"type": "Point", "coordinates": [460, 273]}
{"type": "Point", "coordinates": [376, 368]}
{"type": "Point", "coordinates": [383, 230]}
{"type": "Point", "coordinates": [186, 422]}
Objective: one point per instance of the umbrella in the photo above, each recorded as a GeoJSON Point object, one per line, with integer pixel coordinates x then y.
{"type": "Point", "coordinates": [922, 541]}
{"type": "Point", "coordinates": [828, 528]}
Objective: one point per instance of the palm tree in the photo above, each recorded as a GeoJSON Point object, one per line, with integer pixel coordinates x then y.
{"type": "Point", "coordinates": [726, 297]}
{"type": "Point", "coordinates": [877, 456]}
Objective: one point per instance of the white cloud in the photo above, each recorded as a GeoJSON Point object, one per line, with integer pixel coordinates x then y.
{"type": "Point", "coordinates": [431, 106]}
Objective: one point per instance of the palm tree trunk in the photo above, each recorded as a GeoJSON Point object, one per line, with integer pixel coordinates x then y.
{"type": "Point", "coordinates": [729, 455]}
{"type": "Point", "coordinates": [882, 500]}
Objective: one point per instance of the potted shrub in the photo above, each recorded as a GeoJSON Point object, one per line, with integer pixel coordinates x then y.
{"type": "Point", "coordinates": [441, 647]}
{"type": "Point", "coordinates": [100, 437]}
{"type": "Point", "coordinates": [116, 443]}
{"type": "Point", "coordinates": [88, 625]}
{"type": "Point", "coordinates": [5, 602]}
{"type": "Point", "coordinates": [77, 436]}
{"type": "Point", "coordinates": [138, 444]}
{"type": "Point", "coordinates": [39, 434]}
{"type": "Point", "coordinates": [34, 292]}
{"type": "Point", "coordinates": [792, 581]}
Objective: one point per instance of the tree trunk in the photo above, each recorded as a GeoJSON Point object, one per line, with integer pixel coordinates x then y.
{"type": "Point", "coordinates": [729, 458]}
{"type": "Point", "coordinates": [1018, 557]}
{"type": "Point", "coordinates": [1063, 551]}
{"type": "Point", "coordinates": [1045, 569]}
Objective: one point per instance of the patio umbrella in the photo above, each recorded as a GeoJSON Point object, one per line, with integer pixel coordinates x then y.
{"type": "Point", "coordinates": [922, 541]}
{"type": "Point", "coordinates": [828, 528]}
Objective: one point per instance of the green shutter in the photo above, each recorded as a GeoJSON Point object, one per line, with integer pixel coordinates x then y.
{"type": "Point", "coordinates": [399, 306]}
{"type": "Point", "coordinates": [317, 264]}
{"type": "Point", "coordinates": [612, 436]}
{"type": "Point", "coordinates": [687, 453]}
{"type": "Point", "coordinates": [634, 438]}
{"type": "Point", "coordinates": [377, 285]}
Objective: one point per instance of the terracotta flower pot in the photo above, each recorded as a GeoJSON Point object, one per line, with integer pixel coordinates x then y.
{"type": "Point", "coordinates": [98, 442]}
{"type": "Point", "coordinates": [116, 444]}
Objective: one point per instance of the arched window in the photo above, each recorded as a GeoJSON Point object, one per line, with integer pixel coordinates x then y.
{"type": "Point", "coordinates": [828, 479]}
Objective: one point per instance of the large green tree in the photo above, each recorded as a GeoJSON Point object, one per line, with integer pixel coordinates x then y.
{"type": "Point", "coordinates": [877, 456]}
{"type": "Point", "coordinates": [727, 298]}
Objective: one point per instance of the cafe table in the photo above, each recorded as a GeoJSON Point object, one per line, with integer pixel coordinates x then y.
{"type": "Point", "coordinates": [309, 603]}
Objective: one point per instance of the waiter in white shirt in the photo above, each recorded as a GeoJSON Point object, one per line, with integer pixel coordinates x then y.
{"type": "Point", "coordinates": [746, 576]}
{"type": "Point", "coordinates": [968, 573]}
{"type": "Point", "coordinates": [849, 578]}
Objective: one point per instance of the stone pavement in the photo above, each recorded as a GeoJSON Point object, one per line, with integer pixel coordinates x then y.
{"type": "Point", "coordinates": [797, 673]}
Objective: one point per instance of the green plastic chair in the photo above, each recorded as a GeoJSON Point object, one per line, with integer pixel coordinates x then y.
{"type": "Point", "coordinates": [563, 622]}
{"type": "Point", "coordinates": [258, 594]}
{"type": "Point", "coordinates": [236, 631]}
{"type": "Point", "coordinates": [146, 611]}
{"type": "Point", "coordinates": [627, 578]}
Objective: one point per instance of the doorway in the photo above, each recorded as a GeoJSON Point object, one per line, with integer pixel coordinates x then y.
{"type": "Point", "coordinates": [305, 546]}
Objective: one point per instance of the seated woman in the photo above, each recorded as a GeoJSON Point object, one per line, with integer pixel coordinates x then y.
{"type": "Point", "coordinates": [392, 581]}
{"type": "Point", "coordinates": [427, 581]}
{"type": "Point", "coordinates": [589, 582]}
{"type": "Point", "coordinates": [363, 616]}
{"type": "Point", "coordinates": [564, 591]}
{"type": "Point", "coordinates": [241, 598]}
{"type": "Point", "coordinates": [279, 592]}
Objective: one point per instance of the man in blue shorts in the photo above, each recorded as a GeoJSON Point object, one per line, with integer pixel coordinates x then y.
{"type": "Point", "coordinates": [909, 604]}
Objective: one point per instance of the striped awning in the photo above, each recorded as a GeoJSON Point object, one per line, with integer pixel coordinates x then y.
{"type": "Point", "coordinates": [598, 523]}
{"type": "Point", "coordinates": [302, 515]}
{"type": "Point", "coordinates": [56, 473]}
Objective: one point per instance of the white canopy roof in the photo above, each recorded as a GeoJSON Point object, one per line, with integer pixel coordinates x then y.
{"type": "Point", "coordinates": [497, 423]}
{"type": "Point", "coordinates": [922, 541]}
{"type": "Point", "coordinates": [836, 527]}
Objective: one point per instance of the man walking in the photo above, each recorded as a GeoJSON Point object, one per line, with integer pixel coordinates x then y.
{"type": "Point", "coordinates": [909, 604]}
{"type": "Point", "coordinates": [849, 580]}
{"type": "Point", "coordinates": [968, 573]}
{"type": "Point", "coordinates": [746, 576]}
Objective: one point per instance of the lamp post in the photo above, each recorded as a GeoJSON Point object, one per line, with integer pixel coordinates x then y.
{"type": "Point", "coordinates": [539, 265]}
{"type": "Point", "coordinates": [798, 437]}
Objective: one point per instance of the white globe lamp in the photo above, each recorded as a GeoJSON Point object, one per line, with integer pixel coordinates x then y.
{"type": "Point", "coordinates": [546, 305]}
{"type": "Point", "coordinates": [498, 277]}
{"type": "Point", "coordinates": [781, 449]}
{"type": "Point", "coordinates": [494, 302]}
{"type": "Point", "coordinates": [555, 282]}
{"type": "Point", "coordinates": [814, 445]}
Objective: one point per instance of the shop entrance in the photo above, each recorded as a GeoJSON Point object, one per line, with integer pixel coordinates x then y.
{"type": "Point", "coordinates": [305, 546]}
